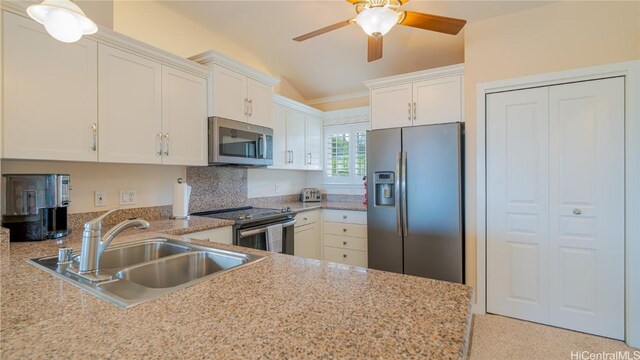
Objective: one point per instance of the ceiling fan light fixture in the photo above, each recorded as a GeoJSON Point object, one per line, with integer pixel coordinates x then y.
{"type": "Point", "coordinates": [377, 21]}
{"type": "Point", "coordinates": [62, 19]}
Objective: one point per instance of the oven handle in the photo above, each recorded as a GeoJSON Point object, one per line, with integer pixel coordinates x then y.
{"type": "Point", "coordinates": [263, 229]}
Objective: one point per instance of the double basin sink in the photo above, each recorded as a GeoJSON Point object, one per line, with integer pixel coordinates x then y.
{"type": "Point", "coordinates": [137, 272]}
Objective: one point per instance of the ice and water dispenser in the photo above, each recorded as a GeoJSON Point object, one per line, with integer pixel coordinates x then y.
{"type": "Point", "coordinates": [385, 188]}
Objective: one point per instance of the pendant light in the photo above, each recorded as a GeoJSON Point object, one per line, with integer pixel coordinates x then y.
{"type": "Point", "coordinates": [377, 21]}
{"type": "Point", "coordinates": [62, 19]}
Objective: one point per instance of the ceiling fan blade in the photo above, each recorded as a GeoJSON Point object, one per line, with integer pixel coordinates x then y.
{"type": "Point", "coordinates": [432, 22]}
{"type": "Point", "coordinates": [400, 2]}
{"type": "Point", "coordinates": [325, 29]}
{"type": "Point", "coordinates": [375, 48]}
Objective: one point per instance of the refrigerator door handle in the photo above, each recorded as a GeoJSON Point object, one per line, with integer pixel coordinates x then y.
{"type": "Point", "coordinates": [397, 186]}
{"type": "Point", "coordinates": [403, 188]}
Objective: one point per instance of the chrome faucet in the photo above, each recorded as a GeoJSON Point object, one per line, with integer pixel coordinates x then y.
{"type": "Point", "coordinates": [93, 244]}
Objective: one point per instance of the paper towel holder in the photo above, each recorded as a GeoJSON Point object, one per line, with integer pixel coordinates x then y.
{"type": "Point", "coordinates": [187, 217]}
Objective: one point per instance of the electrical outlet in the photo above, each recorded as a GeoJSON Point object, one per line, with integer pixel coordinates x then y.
{"type": "Point", "coordinates": [100, 198]}
{"type": "Point", "coordinates": [128, 197]}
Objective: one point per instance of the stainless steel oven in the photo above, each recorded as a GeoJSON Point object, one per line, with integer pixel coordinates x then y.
{"type": "Point", "coordinates": [255, 236]}
{"type": "Point", "coordinates": [239, 143]}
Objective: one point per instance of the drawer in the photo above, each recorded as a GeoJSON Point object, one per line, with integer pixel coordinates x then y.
{"type": "Point", "coordinates": [345, 242]}
{"type": "Point", "coordinates": [345, 256]}
{"type": "Point", "coordinates": [307, 217]}
{"type": "Point", "coordinates": [346, 216]}
{"type": "Point", "coordinates": [355, 230]}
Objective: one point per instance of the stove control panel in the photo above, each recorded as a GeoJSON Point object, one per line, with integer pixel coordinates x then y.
{"type": "Point", "coordinates": [311, 195]}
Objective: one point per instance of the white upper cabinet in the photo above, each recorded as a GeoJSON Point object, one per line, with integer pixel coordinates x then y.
{"type": "Point", "coordinates": [297, 134]}
{"type": "Point", "coordinates": [260, 102]}
{"type": "Point", "coordinates": [437, 101]}
{"type": "Point", "coordinates": [50, 94]}
{"type": "Point", "coordinates": [295, 138]}
{"type": "Point", "coordinates": [421, 98]}
{"type": "Point", "coordinates": [238, 92]}
{"type": "Point", "coordinates": [130, 105]}
{"type": "Point", "coordinates": [105, 98]}
{"type": "Point", "coordinates": [184, 118]}
{"type": "Point", "coordinates": [391, 106]}
{"type": "Point", "coordinates": [313, 144]}
{"type": "Point", "coordinates": [229, 94]}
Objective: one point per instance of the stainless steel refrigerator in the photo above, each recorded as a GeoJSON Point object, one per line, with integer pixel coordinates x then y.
{"type": "Point", "coordinates": [415, 201]}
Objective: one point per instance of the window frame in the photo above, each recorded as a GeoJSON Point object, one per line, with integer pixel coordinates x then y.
{"type": "Point", "coordinates": [351, 129]}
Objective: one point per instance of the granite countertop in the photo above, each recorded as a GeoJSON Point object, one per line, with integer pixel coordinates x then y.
{"type": "Point", "coordinates": [298, 206]}
{"type": "Point", "coordinates": [280, 307]}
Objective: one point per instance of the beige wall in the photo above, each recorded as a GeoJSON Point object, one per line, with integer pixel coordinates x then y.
{"type": "Point", "coordinates": [342, 104]}
{"type": "Point", "coordinates": [153, 183]}
{"type": "Point", "coordinates": [100, 11]}
{"type": "Point", "coordinates": [549, 38]}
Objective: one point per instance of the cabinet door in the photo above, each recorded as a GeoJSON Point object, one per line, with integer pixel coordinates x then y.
{"type": "Point", "coordinates": [391, 107]}
{"type": "Point", "coordinates": [50, 92]}
{"type": "Point", "coordinates": [437, 101]}
{"type": "Point", "coordinates": [280, 155]}
{"type": "Point", "coordinates": [313, 143]}
{"type": "Point", "coordinates": [129, 101]}
{"type": "Point", "coordinates": [229, 94]}
{"type": "Point", "coordinates": [307, 241]}
{"type": "Point", "coordinates": [295, 138]}
{"type": "Point", "coordinates": [184, 118]}
{"type": "Point", "coordinates": [260, 102]}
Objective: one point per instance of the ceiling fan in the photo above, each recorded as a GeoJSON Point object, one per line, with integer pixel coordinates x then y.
{"type": "Point", "coordinates": [377, 17]}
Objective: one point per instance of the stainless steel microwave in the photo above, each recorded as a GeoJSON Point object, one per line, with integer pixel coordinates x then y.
{"type": "Point", "coordinates": [239, 143]}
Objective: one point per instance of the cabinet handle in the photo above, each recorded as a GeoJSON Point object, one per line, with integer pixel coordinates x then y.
{"type": "Point", "coordinates": [344, 230]}
{"type": "Point", "coordinates": [160, 146]}
{"type": "Point", "coordinates": [250, 107]}
{"type": "Point", "coordinates": [166, 140]}
{"type": "Point", "coordinates": [246, 106]}
{"type": "Point", "coordinates": [344, 243]}
{"type": "Point", "coordinates": [577, 211]}
{"type": "Point", "coordinates": [305, 219]}
{"type": "Point", "coordinates": [344, 217]}
{"type": "Point", "coordinates": [409, 111]}
{"type": "Point", "coordinates": [414, 110]}
{"type": "Point", "coordinates": [309, 158]}
{"type": "Point", "coordinates": [94, 137]}
{"type": "Point", "coordinates": [344, 256]}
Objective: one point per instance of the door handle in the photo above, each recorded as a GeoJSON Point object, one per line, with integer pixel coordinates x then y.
{"type": "Point", "coordinates": [397, 186]}
{"type": "Point", "coordinates": [94, 139]}
{"type": "Point", "coordinates": [159, 147]}
{"type": "Point", "coordinates": [250, 107]}
{"type": "Point", "coordinates": [246, 107]}
{"type": "Point", "coordinates": [166, 141]}
{"type": "Point", "coordinates": [405, 222]}
{"type": "Point", "coordinates": [309, 159]}
{"type": "Point", "coordinates": [414, 110]}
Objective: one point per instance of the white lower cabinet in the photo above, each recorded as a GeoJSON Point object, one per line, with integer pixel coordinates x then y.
{"type": "Point", "coordinates": [308, 235]}
{"type": "Point", "coordinates": [345, 237]}
{"type": "Point", "coordinates": [222, 235]}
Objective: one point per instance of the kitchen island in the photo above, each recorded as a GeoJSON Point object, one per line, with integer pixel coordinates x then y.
{"type": "Point", "coordinates": [280, 307]}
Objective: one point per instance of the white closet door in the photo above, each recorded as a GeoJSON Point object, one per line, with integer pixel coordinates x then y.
{"type": "Point", "coordinates": [586, 177]}
{"type": "Point", "coordinates": [517, 204]}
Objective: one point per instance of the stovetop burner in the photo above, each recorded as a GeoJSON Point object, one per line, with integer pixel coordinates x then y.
{"type": "Point", "coordinates": [246, 214]}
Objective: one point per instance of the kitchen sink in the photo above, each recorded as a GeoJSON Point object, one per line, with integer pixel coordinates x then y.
{"type": "Point", "coordinates": [137, 272]}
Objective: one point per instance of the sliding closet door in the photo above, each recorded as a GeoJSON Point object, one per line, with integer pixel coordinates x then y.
{"type": "Point", "coordinates": [586, 213]}
{"type": "Point", "coordinates": [517, 204]}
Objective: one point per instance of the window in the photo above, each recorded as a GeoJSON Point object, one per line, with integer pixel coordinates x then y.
{"type": "Point", "coordinates": [345, 153]}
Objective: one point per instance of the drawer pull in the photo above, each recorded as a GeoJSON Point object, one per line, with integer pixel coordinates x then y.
{"type": "Point", "coordinates": [344, 217]}
{"type": "Point", "coordinates": [344, 230]}
{"type": "Point", "coordinates": [344, 243]}
{"type": "Point", "coordinates": [305, 219]}
{"type": "Point", "coordinates": [344, 256]}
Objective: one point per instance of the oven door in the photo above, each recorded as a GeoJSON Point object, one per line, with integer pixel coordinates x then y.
{"type": "Point", "coordinates": [238, 143]}
{"type": "Point", "coordinates": [256, 237]}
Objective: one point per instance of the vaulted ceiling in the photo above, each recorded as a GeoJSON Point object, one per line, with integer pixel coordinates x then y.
{"type": "Point", "coordinates": [336, 63]}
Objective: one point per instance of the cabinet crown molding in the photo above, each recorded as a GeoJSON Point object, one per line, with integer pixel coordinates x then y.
{"type": "Point", "coordinates": [215, 57]}
{"type": "Point", "coordinates": [114, 39]}
{"type": "Point", "coordinates": [429, 74]}
{"type": "Point", "coordinates": [290, 103]}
